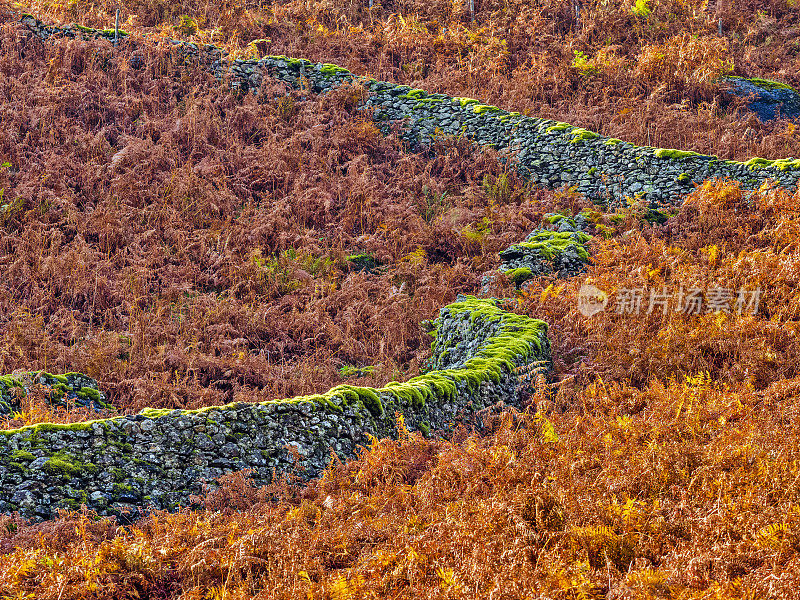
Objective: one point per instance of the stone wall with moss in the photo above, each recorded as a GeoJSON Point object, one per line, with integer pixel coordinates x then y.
{"type": "Point", "coordinates": [550, 153]}
{"type": "Point", "coordinates": [160, 457]}
{"type": "Point", "coordinates": [67, 389]}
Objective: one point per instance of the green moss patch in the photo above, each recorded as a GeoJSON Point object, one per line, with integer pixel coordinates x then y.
{"type": "Point", "coordinates": [155, 413]}
{"type": "Point", "coordinates": [363, 261]}
{"type": "Point", "coordinates": [657, 217]}
{"type": "Point", "coordinates": [766, 84]}
{"type": "Point", "coordinates": [758, 163]}
{"type": "Point", "coordinates": [64, 465]}
{"type": "Point", "coordinates": [293, 63]}
{"type": "Point", "coordinates": [518, 338]}
{"type": "Point", "coordinates": [581, 135]}
{"type": "Point", "coordinates": [519, 276]}
{"type": "Point", "coordinates": [480, 109]}
{"type": "Point", "coordinates": [415, 95]}
{"type": "Point", "coordinates": [558, 127]}
{"type": "Point", "coordinates": [464, 102]}
{"type": "Point", "coordinates": [787, 164]}
{"type": "Point", "coordinates": [423, 103]}
{"type": "Point", "coordinates": [353, 371]}
{"type": "Point", "coordinates": [674, 154]}
{"type": "Point", "coordinates": [33, 430]}
{"type": "Point", "coordinates": [551, 243]}
{"type": "Point", "coordinates": [329, 69]}
{"type": "Point", "coordinates": [89, 393]}
{"type": "Point", "coordinates": [782, 164]}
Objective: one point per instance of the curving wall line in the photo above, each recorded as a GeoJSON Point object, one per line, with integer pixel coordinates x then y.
{"type": "Point", "coordinates": [549, 153]}
{"type": "Point", "coordinates": [159, 458]}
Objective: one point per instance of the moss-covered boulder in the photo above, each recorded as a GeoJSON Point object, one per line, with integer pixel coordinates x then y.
{"type": "Point", "coordinates": [545, 252]}
{"type": "Point", "coordinates": [67, 389]}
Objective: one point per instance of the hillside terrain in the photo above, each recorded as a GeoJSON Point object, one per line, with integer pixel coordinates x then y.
{"type": "Point", "coordinates": [188, 244]}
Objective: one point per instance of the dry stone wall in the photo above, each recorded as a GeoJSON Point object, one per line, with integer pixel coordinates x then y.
{"type": "Point", "coordinates": [549, 153]}
{"type": "Point", "coordinates": [159, 458]}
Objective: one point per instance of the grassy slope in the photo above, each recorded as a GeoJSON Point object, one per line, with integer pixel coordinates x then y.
{"type": "Point", "coordinates": [667, 464]}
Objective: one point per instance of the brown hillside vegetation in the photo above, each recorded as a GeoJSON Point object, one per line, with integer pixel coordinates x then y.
{"type": "Point", "coordinates": [187, 246]}
{"type": "Point", "coordinates": [682, 489]}
{"type": "Point", "coordinates": [640, 70]}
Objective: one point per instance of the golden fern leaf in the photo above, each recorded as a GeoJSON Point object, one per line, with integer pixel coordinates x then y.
{"type": "Point", "coordinates": [771, 537]}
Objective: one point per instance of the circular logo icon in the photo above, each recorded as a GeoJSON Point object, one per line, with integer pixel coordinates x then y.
{"type": "Point", "coordinates": [591, 300]}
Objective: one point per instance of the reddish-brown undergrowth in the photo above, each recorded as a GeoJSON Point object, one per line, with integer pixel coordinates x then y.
{"type": "Point", "coordinates": [661, 462]}
{"type": "Point", "coordinates": [723, 238]}
{"type": "Point", "coordinates": [690, 492]}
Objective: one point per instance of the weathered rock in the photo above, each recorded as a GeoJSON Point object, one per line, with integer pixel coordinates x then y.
{"type": "Point", "coordinates": [770, 100]}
